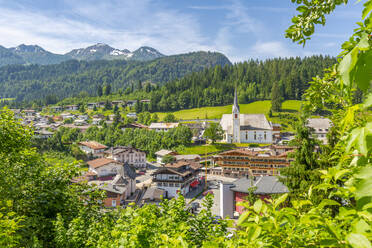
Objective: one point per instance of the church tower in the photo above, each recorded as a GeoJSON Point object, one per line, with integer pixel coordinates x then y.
{"type": "Point", "coordinates": [236, 119]}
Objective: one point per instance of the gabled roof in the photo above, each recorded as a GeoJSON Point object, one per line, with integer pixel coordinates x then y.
{"type": "Point", "coordinates": [99, 162]}
{"type": "Point", "coordinates": [93, 145]}
{"type": "Point", "coordinates": [164, 152]}
{"type": "Point", "coordinates": [129, 171]}
{"type": "Point", "coordinates": [265, 185]}
{"type": "Point", "coordinates": [161, 125]}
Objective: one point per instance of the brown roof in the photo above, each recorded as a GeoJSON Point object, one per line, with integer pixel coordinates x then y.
{"type": "Point", "coordinates": [96, 163]}
{"type": "Point", "coordinates": [93, 145]}
{"type": "Point", "coordinates": [177, 164]}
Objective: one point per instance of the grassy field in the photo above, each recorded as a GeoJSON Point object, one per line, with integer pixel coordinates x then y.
{"type": "Point", "coordinates": [217, 147]}
{"type": "Point", "coordinates": [6, 99]}
{"type": "Point", "coordinates": [258, 107]}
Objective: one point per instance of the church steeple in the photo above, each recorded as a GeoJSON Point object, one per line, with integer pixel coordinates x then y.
{"type": "Point", "coordinates": [235, 108]}
{"type": "Point", "coordinates": [236, 119]}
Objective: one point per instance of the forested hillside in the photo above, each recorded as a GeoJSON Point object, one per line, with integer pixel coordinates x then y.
{"type": "Point", "coordinates": [70, 78]}
{"type": "Point", "coordinates": [255, 80]}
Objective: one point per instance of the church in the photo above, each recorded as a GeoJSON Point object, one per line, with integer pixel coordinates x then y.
{"type": "Point", "coordinates": [246, 128]}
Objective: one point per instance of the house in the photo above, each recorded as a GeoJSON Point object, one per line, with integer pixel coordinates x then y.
{"type": "Point", "coordinates": [153, 196]}
{"type": "Point", "coordinates": [145, 101]}
{"type": "Point", "coordinates": [188, 157]}
{"type": "Point", "coordinates": [101, 104]}
{"type": "Point", "coordinates": [96, 121]}
{"type": "Point", "coordinates": [83, 117]}
{"type": "Point", "coordinates": [67, 116]}
{"type": "Point", "coordinates": [178, 177]}
{"type": "Point", "coordinates": [43, 134]}
{"type": "Point", "coordinates": [160, 154]}
{"type": "Point", "coordinates": [104, 167]}
{"type": "Point", "coordinates": [56, 108]}
{"type": "Point", "coordinates": [118, 103]}
{"type": "Point", "coordinates": [134, 125]}
{"type": "Point", "coordinates": [251, 161]}
{"type": "Point", "coordinates": [72, 107]}
{"type": "Point", "coordinates": [132, 115]}
{"type": "Point", "coordinates": [162, 126]}
{"type": "Point", "coordinates": [247, 128]}
{"type": "Point", "coordinates": [320, 127]}
{"type": "Point", "coordinates": [91, 105]}
{"type": "Point", "coordinates": [120, 187]}
{"type": "Point", "coordinates": [263, 187]}
{"type": "Point", "coordinates": [131, 103]}
{"type": "Point", "coordinates": [129, 155]}
{"type": "Point", "coordinates": [79, 122]}
{"type": "Point", "coordinates": [92, 147]}
{"type": "Point", "coordinates": [29, 112]}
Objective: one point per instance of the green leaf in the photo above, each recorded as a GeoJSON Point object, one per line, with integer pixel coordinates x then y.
{"type": "Point", "coordinates": [357, 240]}
{"type": "Point", "coordinates": [328, 202]}
{"type": "Point", "coordinates": [280, 200]}
{"type": "Point", "coordinates": [341, 173]}
{"type": "Point", "coordinates": [362, 73]}
{"type": "Point", "coordinates": [367, 9]}
{"type": "Point", "coordinates": [302, 9]}
{"type": "Point", "coordinates": [347, 64]}
{"type": "Point", "coordinates": [257, 206]}
{"type": "Point", "coordinates": [368, 101]}
{"type": "Point", "coordinates": [243, 217]}
{"type": "Point", "coordinates": [364, 189]}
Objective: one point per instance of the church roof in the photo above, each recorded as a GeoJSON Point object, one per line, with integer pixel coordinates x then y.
{"type": "Point", "coordinates": [247, 122]}
{"type": "Point", "coordinates": [236, 105]}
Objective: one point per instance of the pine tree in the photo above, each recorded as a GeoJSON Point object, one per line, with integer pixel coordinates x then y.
{"type": "Point", "coordinates": [99, 90]}
{"type": "Point", "coordinates": [276, 98]}
{"type": "Point", "coordinates": [302, 172]}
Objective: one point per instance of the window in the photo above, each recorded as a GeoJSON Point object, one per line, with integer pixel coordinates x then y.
{"type": "Point", "coordinates": [265, 135]}
{"type": "Point", "coordinates": [236, 116]}
{"type": "Point", "coordinates": [255, 135]}
{"type": "Point", "coordinates": [113, 203]}
{"type": "Point", "coordinates": [246, 135]}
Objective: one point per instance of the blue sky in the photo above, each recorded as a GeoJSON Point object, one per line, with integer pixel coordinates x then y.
{"type": "Point", "coordinates": [241, 29]}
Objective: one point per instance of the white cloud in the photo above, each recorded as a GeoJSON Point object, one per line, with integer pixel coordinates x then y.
{"type": "Point", "coordinates": [122, 24]}
{"type": "Point", "coordinates": [270, 49]}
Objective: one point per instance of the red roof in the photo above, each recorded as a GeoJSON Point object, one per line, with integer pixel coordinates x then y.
{"type": "Point", "coordinates": [96, 163]}
{"type": "Point", "coordinates": [93, 145]}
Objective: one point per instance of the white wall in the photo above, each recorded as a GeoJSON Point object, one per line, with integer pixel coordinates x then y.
{"type": "Point", "coordinates": [259, 133]}
{"type": "Point", "coordinates": [226, 200]}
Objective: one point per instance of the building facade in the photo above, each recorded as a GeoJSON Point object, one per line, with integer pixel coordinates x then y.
{"type": "Point", "coordinates": [92, 147]}
{"type": "Point", "coordinates": [255, 162]}
{"type": "Point", "coordinates": [178, 177]}
{"type": "Point", "coordinates": [129, 155]}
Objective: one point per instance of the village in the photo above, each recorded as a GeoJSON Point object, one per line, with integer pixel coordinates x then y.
{"type": "Point", "coordinates": [127, 176]}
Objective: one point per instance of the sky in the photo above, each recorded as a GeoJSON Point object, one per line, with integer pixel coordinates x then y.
{"type": "Point", "coordinates": [240, 29]}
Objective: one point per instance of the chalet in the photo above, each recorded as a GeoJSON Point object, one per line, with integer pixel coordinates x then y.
{"type": "Point", "coordinates": [162, 126]}
{"type": "Point", "coordinates": [248, 161]}
{"type": "Point", "coordinates": [79, 122]}
{"type": "Point", "coordinates": [104, 167]}
{"type": "Point", "coordinates": [160, 155]}
{"type": "Point", "coordinates": [83, 117]}
{"type": "Point", "coordinates": [71, 107]}
{"type": "Point", "coordinates": [132, 115]}
{"type": "Point", "coordinates": [29, 112]}
{"type": "Point", "coordinates": [320, 127]}
{"type": "Point", "coordinates": [178, 177]}
{"type": "Point", "coordinates": [92, 147]}
{"type": "Point", "coordinates": [134, 125]}
{"type": "Point", "coordinates": [153, 195]}
{"type": "Point", "coordinates": [91, 105]}
{"type": "Point", "coordinates": [129, 155]}
{"type": "Point", "coordinates": [56, 108]}
{"type": "Point", "coordinates": [118, 103]}
{"type": "Point", "coordinates": [43, 134]}
{"type": "Point", "coordinates": [188, 157]}
{"type": "Point", "coordinates": [67, 116]}
{"type": "Point", "coordinates": [120, 187]}
{"type": "Point", "coordinates": [131, 103]}
{"type": "Point", "coordinates": [232, 193]}
{"type": "Point", "coordinates": [145, 101]}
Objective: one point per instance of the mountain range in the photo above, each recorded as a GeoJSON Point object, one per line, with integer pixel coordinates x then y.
{"type": "Point", "coordinates": [34, 54]}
